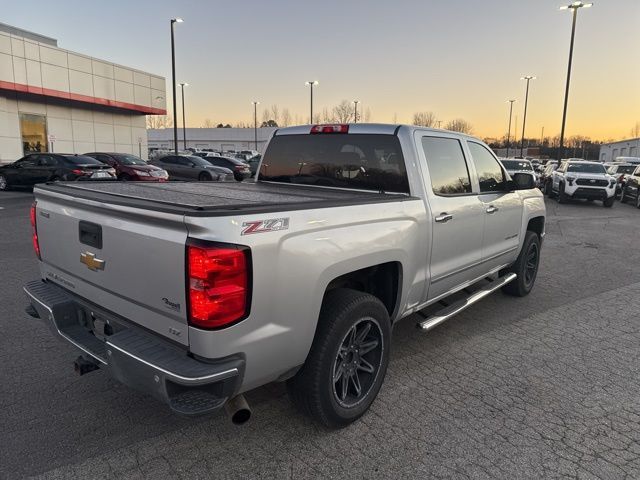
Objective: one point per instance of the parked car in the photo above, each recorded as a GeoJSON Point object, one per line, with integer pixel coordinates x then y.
{"type": "Point", "coordinates": [631, 188]}
{"type": "Point", "coordinates": [131, 168]}
{"type": "Point", "coordinates": [583, 179]}
{"type": "Point", "coordinates": [240, 169]}
{"type": "Point", "coordinates": [620, 172]}
{"type": "Point", "coordinates": [243, 284]}
{"type": "Point", "coordinates": [44, 167]}
{"type": "Point", "coordinates": [250, 153]}
{"type": "Point", "coordinates": [633, 160]}
{"type": "Point", "coordinates": [545, 179]}
{"type": "Point", "coordinates": [254, 163]}
{"type": "Point", "coordinates": [190, 167]}
{"type": "Point", "coordinates": [519, 166]}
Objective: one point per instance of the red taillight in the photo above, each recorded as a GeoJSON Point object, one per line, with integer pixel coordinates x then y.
{"type": "Point", "coordinates": [218, 285]}
{"type": "Point", "coordinates": [77, 171]}
{"type": "Point", "coordinates": [338, 128]}
{"type": "Point", "coordinates": [239, 167]}
{"type": "Point", "coordinates": [34, 230]}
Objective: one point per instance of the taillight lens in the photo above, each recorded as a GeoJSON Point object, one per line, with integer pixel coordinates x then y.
{"type": "Point", "coordinates": [77, 171]}
{"type": "Point", "coordinates": [218, 277]}
{"type": "Point", "coordinates": [339, 128]}
{"type": "Point", "coordinates": [34, 230]}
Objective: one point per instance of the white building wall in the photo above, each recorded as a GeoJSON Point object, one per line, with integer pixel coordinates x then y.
{"type": "Point", "coordinates": [213, 138]}
{"type": "Point", "coordinates": [77, 129]}
{"type": "Point", "coordinates": [624, 148]}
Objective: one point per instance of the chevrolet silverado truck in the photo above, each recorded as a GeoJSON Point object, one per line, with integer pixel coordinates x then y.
{"type": "Point", "coordinates": [196, 292]}
{"type": "Point", "coordinates": [581, 179]}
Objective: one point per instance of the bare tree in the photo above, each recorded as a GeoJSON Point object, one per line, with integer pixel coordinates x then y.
{"type": "Point", "coordinates": [275, 113]}
{"type": "Point", "coordinates": [244, 125]}
{"type": "Point", "coordinates": [317, 118]}
{"type": "Point", "coordinates": [265, 115]}
{"type": "Point", "coordinates": [208, 123]}
{"type": "Point", "coordinates": [367, 115]}
{"type": "Point", "coordinates": [459, 125]}
{"type": "Point", "coordinates": [424, 119]}
{"type": "Point", "coordinates": [286, 118]}
{"type": "Point", "coordinates": [395, 118]}
{"type": "Point", "coordinates": [343, 112]}
{"type": "Point", "coordinates": [297, 120]}
{"type": "Point", "coordinates": [635, 131]}
{"type": "Point", "coordinates": [159, 121]}
{"type": "Point", "coordinates": [326, 116]}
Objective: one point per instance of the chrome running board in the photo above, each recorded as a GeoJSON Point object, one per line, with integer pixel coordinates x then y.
{"type": "Point", "coordinates": [457, 307]}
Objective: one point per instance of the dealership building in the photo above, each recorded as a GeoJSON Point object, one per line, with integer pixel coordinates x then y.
{"type": "Point", "coordinates": [222, 139]}
{"type": "Point", "coordinates": [624, 148]}
{"type": "Point", "coordinates": [52, 99]}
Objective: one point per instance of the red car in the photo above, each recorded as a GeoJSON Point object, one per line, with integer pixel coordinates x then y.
{"type": "Point", "coordinates": [132, 168]}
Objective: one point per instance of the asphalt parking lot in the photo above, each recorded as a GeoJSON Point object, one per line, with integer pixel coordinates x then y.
{"type": "Point", "coordinates": [540, 387]}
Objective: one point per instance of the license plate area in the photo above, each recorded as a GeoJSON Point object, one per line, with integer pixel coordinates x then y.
{"type": "Point", "coordinates": [90, 234]}
{"type": "Point", "coordinates": [101, 175]}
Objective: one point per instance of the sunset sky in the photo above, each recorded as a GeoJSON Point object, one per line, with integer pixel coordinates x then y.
{"type": "Point", "coordinates": [456, 58]}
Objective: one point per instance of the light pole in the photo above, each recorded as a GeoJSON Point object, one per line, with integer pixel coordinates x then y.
{"type": "Point", "coordinates": [528, 78]}
{"type": "Point", "coordinates": [255, 123]}
{"type": "Point", "coordinates": [509, 131]}
{"type": "Point", "coordinates": [311, 84]}
{"type": "Point", "coordinates": [575, 6]}
{"type": "Point", "coordinates": [184, 126]}
{"type": "Point", "coordinates": [173, 86]}
{"type": "Point", "coordinates": [355, 111]}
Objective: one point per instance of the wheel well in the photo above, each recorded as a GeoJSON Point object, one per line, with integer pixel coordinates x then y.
{"type": "Point", "coordinates": [381, 281]}
{"type": "Point", "coordinates": [536, 225]}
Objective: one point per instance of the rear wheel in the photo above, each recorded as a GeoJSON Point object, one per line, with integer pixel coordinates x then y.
{"type": "Point", "coordinates": [525, 267]}
{"type": "Point", "coordinates": [347, 361]}
{"type": "Point", "coordinates": [204, 177]}
{"type": "Point", "coordinates": [4, 183]}
{"type": "Point", "coordinates": [548, 190]}
{"type": "Point", "coordinates": [638, 199]}
{"type": "Point", "coordinates": [238, 177]}
{"type": "Point", "coordinates": [125, 178]}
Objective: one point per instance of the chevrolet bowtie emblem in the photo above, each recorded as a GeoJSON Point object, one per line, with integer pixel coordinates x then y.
{"type": "Point", "coordinates": [90, 260]}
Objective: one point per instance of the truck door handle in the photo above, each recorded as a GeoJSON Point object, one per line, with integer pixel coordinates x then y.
{"type": "Point", "coordinates": [443, 217]}
{"type": "Point", "coordinates": [492, 209]}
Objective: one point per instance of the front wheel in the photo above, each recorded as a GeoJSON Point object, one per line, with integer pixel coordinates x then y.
{"type": "Point", "coordinates": [4, 183]}
{"type": "Point", "coordinates": [525, 267]}
{"type": "Point", "coordinates": [638, 199]}
{"type": "Point", "coordinates": [608, 202]}
{"type": "Point", "coordinates": [204, 177]}
{"type": "Point", "coordinates": [348, 359]}
{"type": "Point", "coordinates": [562, 197]}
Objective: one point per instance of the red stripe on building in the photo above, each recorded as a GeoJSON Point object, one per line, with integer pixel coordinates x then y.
{"type": "Point", "coordinates": [48, 92]}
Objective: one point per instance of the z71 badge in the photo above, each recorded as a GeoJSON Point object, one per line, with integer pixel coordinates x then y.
{"type": "Point", "coordinates": [263, 226]}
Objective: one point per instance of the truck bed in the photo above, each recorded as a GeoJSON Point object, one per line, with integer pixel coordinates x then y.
{"type": "Point", "coordinates": [217, 199]}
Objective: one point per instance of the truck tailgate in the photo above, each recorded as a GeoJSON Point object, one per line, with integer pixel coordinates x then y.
{"type": "Point", "coordinates": [126, 260]}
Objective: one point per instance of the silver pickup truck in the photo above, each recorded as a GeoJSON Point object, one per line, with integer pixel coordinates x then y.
{"type": "Point", "coordinates": [197, 292]}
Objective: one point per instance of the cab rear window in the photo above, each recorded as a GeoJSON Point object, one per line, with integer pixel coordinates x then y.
{"type": "Point", "coordinates": [359, 161]}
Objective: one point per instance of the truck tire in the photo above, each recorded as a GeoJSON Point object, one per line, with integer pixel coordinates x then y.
{"type": "Point", "coordinates": [548, 189]}
{"type": "Point", "coordinates": [562, 197]}
{"type": "Point", "coordinates": [608, 202]}
{"type": "Point", "coordinates": [623, 195]}
{"type": "Point", "coordinates": [348, 359]}
{"type": "Point", "coordinates": [525, 266]}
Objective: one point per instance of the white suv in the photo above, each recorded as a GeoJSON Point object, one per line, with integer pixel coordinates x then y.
{"type": "Point", "coordinates": [583, 179]}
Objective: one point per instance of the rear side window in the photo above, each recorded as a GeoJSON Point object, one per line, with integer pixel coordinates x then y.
{"type": "Point", "coordinates": [490, 173]}
{"type": "Point", "coordinates": [447, 166]}
{"type": "Point", "coordinates": [82, 160]}
{"type": "Point", "coordinates": [360, 161]}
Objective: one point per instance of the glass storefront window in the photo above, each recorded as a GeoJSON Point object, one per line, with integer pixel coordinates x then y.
{"type": "Point", "coordinates": [34, 133]}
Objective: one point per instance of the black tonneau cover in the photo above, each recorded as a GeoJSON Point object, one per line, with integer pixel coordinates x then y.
{"type": "Point", "coordinates": [217, 198]}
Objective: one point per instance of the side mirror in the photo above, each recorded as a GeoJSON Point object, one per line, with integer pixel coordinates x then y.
{"type": "Point", "coordinates": [523, 181]}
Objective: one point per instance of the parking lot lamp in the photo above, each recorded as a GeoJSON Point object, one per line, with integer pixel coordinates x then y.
{"type": "Point", "coordinates": [509, 131]}
{"type": "Point", "coordinates": [173, 86]}
{"type": "Point", "coordinates": [255, 123]}
{"type": "Point", "coordinates": [575, 6]}
{"type": "Point", "coordinates": [184, 126]}
{"type": "Point", "coordinates": [528, 78]}
{"type": "Point", "coordinates": [355, 111]}
{"type": "Point", "coordinates": [311, 84]}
